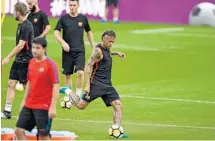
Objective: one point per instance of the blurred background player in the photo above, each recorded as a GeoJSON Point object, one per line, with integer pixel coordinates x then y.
{"type": "Point", "coordinates": [22, 51]}
{"type": "Point", "coordinates": [99, 84]}
{"type": "Point", "coordinates": [73, 53]}
{"type": "Point", "coordinates": [38, 18]}
{"type": "Point", "coordinates": [115, 11]}
{"type": "Point", "coordinates": [40, 22]}
{"type": "Point", "coordinates": [39, 104]}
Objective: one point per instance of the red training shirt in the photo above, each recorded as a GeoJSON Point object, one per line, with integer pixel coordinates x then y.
{"type": "Point", "coordinates": [41, 76]}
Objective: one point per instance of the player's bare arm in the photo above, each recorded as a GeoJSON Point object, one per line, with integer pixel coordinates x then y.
{"type": "Point", "coordinates": [14, 52]}
{"type": "Point", "coordinates": [120, 54]}
{"type": "Point", "coordinates": [91, 39]}
{"type": "Point", "coordinates": [61, 41]}
{"type": "Point", "coordinates": [96, 56]}
{"type": "Point", "coordinates": [55, 95]}
{"type": "Point", "coordinates": [46, 31]}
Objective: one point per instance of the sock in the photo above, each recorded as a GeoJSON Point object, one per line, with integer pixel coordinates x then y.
{"type": "Point", "coordinates": [8, 106]}
{"type": "Point", "coordinates": [78, 91]}
{"type": "Point", "coordinates": [115, 19]}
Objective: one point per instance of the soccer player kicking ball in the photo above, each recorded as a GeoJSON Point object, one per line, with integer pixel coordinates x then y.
{"type": "Point", "coordinates": [99, 84]}
{"type": "Point", "coordinates": [41, 95]}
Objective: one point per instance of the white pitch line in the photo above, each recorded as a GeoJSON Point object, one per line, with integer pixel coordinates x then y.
{"type": "Point", "coordinates": [168, 99]}
{"type": "Point", "coordinates": [161, 98]}
{"type": "Point", "coordinates": [157, 30]}
{"type": "Point", "coordinates": [190, 35]}
{"type": "Point", "coordinates": [136, 124]}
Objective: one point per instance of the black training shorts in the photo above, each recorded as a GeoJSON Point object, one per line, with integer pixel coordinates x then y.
{"type": "Point", "coordinates": [73, 62]}
{"type": "Point", "coordinates": [112, 2]}
{"type": "Point", "coordinates": [29, 118]}
{"type": "Point", "coordinates": [19, 72]}
{"type": "Point", "coordinates": [108, 94]}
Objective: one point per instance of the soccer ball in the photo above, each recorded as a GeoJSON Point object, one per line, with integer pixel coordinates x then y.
{"type": "Point", "coordinates": [203, 14]}
{"type": "Point", "coordinates": [65, 102]}
{"type": "Point", "coordinates": [115, 131]}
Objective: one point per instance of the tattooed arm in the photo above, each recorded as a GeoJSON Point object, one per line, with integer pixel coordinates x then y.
{"type": "Point", "coordinates": [96, 56]}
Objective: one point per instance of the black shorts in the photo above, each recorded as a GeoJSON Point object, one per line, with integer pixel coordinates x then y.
{"type": "Point", "coordinates": [29, 118]}
{"type": "Point", "coordinates": [73, 62]}
{"type": "Point", "coordinates": [108, 94]}
{"type": "Point", "coordinates": [112, 2]}
{"type": "Point", "coordinates": [18, 72]}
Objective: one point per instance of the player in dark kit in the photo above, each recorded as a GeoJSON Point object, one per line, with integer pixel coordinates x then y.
{"type": "Point", "coordinates": [73, 54]}
{"type": "Point", "coordinates": [41, 95]}
{"type": "Point", "coordinates": [38, 18]}
{"type": "Point", "coordinates": [22, 51]}
{"type": "Point", "coordinates": [99, 84]}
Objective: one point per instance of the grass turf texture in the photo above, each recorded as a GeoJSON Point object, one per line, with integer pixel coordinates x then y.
{"type": "Point", "coordinates": [160, 69]}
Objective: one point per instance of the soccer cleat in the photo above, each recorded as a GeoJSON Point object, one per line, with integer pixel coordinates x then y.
{"type": "Point", "coordinates": [124, 136]}
{"type": "Point", "coordinates": [75, 98]}
{"type": "Point", "coordinates": [103, 21]}
{"type": "Point", "coordinates": [85, 96]}
{"type": "Point", "coordinates": [65, 89]}
{"type": "Point", "coordinates": [5, 115]}
{"type": "Point", "coordinates": [116, 21]}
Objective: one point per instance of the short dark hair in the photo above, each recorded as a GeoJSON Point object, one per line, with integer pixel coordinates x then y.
{"type": "Point", "coordinates": [40, 40]}
{"type": "Point", "coordinates": [109, 33]}
{"type": "Point", "coordinates": [21, 8]}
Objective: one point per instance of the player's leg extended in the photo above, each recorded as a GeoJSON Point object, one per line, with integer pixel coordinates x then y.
{"type": "Point", "coordinates": [82, 105]}
{"type": "Point", "coordinates": [117, 114]}
{"type": "Point", "coordinates": [95, 92]}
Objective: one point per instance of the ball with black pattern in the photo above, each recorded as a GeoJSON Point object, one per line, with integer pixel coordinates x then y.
{"type": "Point", "coordinates": [115, 131]}
{"type": "Point", "coordinates": [65, 102]}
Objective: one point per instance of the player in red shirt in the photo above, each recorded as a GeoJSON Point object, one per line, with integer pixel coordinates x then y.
{"type": "Point", "coordinates": [42, 90]}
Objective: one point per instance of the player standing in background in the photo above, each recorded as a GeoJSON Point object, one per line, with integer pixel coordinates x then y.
{"type": "Point", "coordinates": [39, 20]}
{"type": "Point", "coordinates": [115, 11]}
{"type": "Point", "coordinates": [73, 53]}
{"type": "Point", "coordinates": [99, 84]}
{"type": "Point", "coordinates": [22, 51]}
{"type": "Point", "coordinates": [41, 95]}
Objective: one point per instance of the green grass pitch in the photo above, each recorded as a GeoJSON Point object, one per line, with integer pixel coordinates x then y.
{"type": "Point", "coordinates": [166, 83]}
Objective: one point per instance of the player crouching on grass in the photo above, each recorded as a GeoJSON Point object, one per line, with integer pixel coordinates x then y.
{"type": "Point", "coordinates": [41, 95]}
{"type": "Point", "coordinates": [99, 84]}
